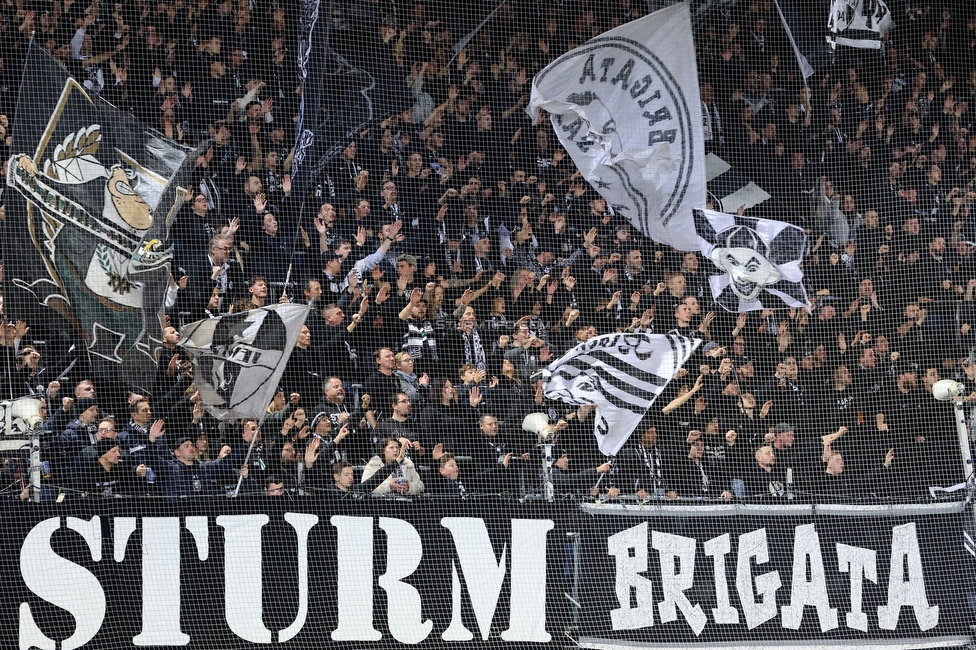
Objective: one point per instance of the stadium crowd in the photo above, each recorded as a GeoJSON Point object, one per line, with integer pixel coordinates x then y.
{"type": "Point", "coordinates": [451, 249]}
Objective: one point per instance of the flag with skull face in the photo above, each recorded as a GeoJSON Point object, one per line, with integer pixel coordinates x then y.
{"type": "Point", "coordinates": [756, 263]}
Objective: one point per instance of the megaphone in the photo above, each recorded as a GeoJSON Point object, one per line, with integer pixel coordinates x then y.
{"type": "Point", "coordinates": [19, 417]}
{"type": "Point", "coordinates": [538, 423]}
{"type": "Point", "coordinates": [946, 389]}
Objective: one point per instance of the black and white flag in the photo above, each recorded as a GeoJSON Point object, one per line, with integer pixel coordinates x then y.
{"type": "Point", "coordinates": [625, 106]}
{"type": "Point", "coordinates": [805, 24]}
{"type": "Point", "coordinates": [622, 375]}
{"type": "Point", "coordinates": [93, 195]}
{"type": "Point", "coordinates": [858, 23]}
{"type": "Point", "coordinates": [755, 262]}
{"type": "Point", "coordinates": [238, 359]}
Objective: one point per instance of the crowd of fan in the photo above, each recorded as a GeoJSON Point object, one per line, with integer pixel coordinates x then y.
{"type": "Point", "coordinates": [452, 250]}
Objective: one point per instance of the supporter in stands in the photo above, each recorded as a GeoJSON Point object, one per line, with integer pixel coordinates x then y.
{"type": "Point", "coordinates": [302, 372]}
{"type": "Point", "coordinates": [184, 476]}
{"type": "Point", "coordinates": [649, 468]}
{"type": "Point", "coordinates": [344, 485]}
{"type": "Point", "coordinates": [399, 477]}
{"type": "Point", "coordinates": [448, 483]}
{"type": "Point", "coordinates": [585, 482]}
{"type": "Point", "coordinates": [481, 212]}
{"type": "Point", "coordinates": [764, 478]}
{"type": "Point", "coordinates": [250, 438]}
{"type": "Point", "coordinates": [139, 431]}
{"type": "Point", "coordinates": [384, 384]}
{"type": "Point", "coordinates": [80, 433]}
{"type": "Point", "coordinates": [402, 424]}
{"type": "Point", "coordinates": [107, 474]}
{"type": "Point", "coordinates": [415, 387]}
{"type": "Point", "coordinates": [493, 456]}
{"type": "Point", "coordinates": [692, 478]}
{"type": "Point", "coordinates": [211, 275]}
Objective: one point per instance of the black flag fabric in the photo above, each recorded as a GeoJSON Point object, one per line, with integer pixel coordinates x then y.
{"type": "Point", "coordinates": [805, 24]}
{"type": "Point", "coordinates": [93, 196]}
{"type": "Point", "coordinates": [347, 82]}
{"type": "Point", "coordinates": [756, 263]}
{"type": "Point", "coordinates": [238, 359]}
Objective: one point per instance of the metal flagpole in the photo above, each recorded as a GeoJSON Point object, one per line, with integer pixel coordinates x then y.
{"type": "Point", "coordinates": [247, 458]}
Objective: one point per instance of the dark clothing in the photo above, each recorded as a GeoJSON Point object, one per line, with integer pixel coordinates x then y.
{"type": "Point", "coordinates": [649, 469]}
{"type": "Point", "coordinates": [693, 479]}
{"type": "Point", "coordinates": [761, 483]}
{"type": "Point", "coordinates": [382, 390]}
{"type": "Point", "coordinates": [122, 480]}
{"type": "Point", "coordinates": [197, 479]}
{"type": "Point", "coordinates": [447, 488]}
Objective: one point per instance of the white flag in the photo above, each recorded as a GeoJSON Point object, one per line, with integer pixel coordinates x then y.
{"type": "Point", "coordinates": [238, 359]}
{"type": "Point", "coordinates": [756, 263]}
{"type": "Point", "coordinates": [858, 23]}
{"type": "Point", "coordinates": [625, 106]}
{"type": "Point", "coordinates": [621, 374]}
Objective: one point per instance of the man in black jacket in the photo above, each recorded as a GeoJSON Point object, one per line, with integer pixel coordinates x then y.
{"type": "Point", "coordinates": [184, 476]}
{"type": "Point", "coordinates": [108, 475]}
{"type": "Point", "coordinates": [648, 468]}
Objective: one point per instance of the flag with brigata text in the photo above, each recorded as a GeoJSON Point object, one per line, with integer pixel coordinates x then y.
{"type": "Point", "coordinates": [625, 106]}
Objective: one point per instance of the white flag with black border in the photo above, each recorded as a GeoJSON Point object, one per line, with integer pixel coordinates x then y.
{"type": "Point", "coordinates": [238, 359]}
{"type": "Point", "coordinates": [755, 263]}
{"type": "Point", "coordinates": [620, 374]}
{"type": "Point", "coordinates": [625, 105]}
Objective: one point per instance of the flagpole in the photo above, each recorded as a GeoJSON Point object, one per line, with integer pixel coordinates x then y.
{"type": "Point", "coordinates": [247, 458]}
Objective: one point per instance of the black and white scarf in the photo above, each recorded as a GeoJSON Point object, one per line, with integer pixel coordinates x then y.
{"type": "Point", "coordinates": [474, 352]}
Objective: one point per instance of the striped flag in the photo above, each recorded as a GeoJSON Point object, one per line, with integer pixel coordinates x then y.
{"type": "Point", "coordinates": [622, 375]}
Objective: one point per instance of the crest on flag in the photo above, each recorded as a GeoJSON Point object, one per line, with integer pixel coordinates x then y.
{"type": "Point", "coordinates": [95, 191]}
{"type": "Point", "coordinates": [620, 374]}
{"type": "Point", "coordinates": [238, 359]}
{"type": "Point", "coordinates": [756, 261]}
{"type": "Point", "coordinates": [625, 107]}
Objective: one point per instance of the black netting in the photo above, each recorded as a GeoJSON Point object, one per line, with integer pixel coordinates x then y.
{"type": "Point", "coordinates": [172, 163]}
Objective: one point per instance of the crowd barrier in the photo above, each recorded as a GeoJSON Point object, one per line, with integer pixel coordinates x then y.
{"type": "Point", "coordinates": [307, 573]}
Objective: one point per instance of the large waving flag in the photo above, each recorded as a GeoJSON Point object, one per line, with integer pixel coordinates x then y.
{"type": "Point", "coordinates": [622, 375]}
{"type": "Point", "coordinates": [93, 195]}
{"type": "Point", "coordinates": [238, 359]}
{"type": "Point", "coordinates": [625, 105]}
{"type": "Point", "coordinates": [346, 84]}
{"type": "Point", "coordinates": [756, 263]}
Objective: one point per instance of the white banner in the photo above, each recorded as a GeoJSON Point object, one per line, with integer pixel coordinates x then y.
{"type": "Point", "coordinates": [622, 375]}
{"type": "Point", "coordinates": [238, 359]}
{"type": "Point", "coordinates": [756, 263]}
{"type": "Point", "coordinates": [625, 105]}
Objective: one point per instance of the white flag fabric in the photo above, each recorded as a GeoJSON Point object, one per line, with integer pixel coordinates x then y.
{"type": "Point", "coordinates": [755, 263]}
{"type": "Point", "coordinates": [238, 359]}
{"type": "Point", "coordinates": [622, 375]}
{"type": "Point", "coordinates": [625, 106]}
{"type": "Point", "coordinates": [858, 23]}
